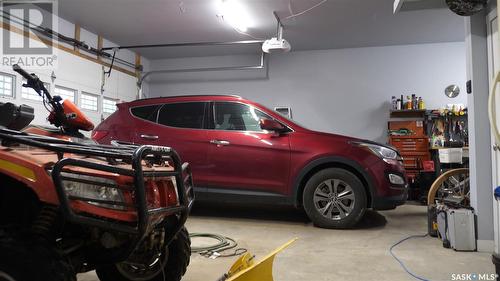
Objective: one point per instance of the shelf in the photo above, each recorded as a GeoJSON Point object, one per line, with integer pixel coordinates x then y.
{"type": "Point", "coordinates": [441, 147]}
{"type": "Point", "coordinates": [408, 113]}
{"type": "Point", "coordinates": [410, 137]}
{"type": "Point", "coordinates": [434, 116]}
{"type": "Point", "coordinates": [409, 110]}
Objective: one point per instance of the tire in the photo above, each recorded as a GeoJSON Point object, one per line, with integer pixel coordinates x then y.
{"type": "Point", "coordinates": [25, 259]}
{"type": "Point", "coordinates": [178, 257]}
{"type": "Point", "coordinates": [436, 185]}
{"type": "Point", "coordinates": [334, 198]}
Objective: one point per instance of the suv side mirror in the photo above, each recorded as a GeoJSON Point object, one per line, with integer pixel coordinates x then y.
{"type": "Point", "coordinates": [271, 125]}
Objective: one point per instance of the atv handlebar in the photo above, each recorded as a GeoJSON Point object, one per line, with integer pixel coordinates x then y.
{"type": "Point", "coordinates": [33, 82]}
{"type": "Point", "coordinates": [24, 74]}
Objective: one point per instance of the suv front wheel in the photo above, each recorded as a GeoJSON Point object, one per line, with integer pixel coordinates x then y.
{"type": "Point", "coordinates": [334, 198]}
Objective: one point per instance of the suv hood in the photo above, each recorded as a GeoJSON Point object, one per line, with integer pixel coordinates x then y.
{"type": "Point", "coordinates": [349, 139]}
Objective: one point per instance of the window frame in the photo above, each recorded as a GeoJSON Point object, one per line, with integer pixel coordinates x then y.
{"type": "Point", "coordinates": [13, 86]}
{"type": "Point", "coordinates": [75, 97]}
{"type": "Point", "coordinates": [83, 93]}
{"type": "Point", "coordinates": [205, 110]}
{"type": "Point", "coordinates": [102, 105]}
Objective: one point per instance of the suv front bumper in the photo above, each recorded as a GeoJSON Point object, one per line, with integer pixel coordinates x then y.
{"type": "Point", "coordinates": [388, 195]}
{"type": "Point", "coordinates": [390, 202]}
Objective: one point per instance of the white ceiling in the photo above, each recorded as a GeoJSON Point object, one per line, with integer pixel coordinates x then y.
{"type": "Point", "coordinates": [336, 24]}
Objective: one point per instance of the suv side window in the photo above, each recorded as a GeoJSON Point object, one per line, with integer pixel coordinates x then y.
{"type": "Point", "coordinates": [182, 115]}
{"type": "Point", "coordinates": [232, 116]}
{"type": "Point", "coordinates": [148, 112]}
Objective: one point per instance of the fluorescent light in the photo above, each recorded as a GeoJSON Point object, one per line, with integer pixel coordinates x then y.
{"type": "Point", "coordinates": [235, 14]}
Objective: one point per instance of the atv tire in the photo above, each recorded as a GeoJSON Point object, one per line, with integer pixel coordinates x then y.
{"type": "Point", "coordinates": [179, 255]}
{"type": "Point", "coordinates": [23, 258]}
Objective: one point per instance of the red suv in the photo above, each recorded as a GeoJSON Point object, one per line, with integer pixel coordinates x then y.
{"type": "Point", "coordinates": [241, 151]}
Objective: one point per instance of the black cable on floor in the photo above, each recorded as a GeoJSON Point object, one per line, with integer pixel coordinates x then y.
{"type": "Point", "coordinates": [401, 262]}
{"type": "Point", "coordinates": [217, 249]}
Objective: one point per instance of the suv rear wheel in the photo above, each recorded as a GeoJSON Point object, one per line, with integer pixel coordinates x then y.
{"type": "Point", "coordinates": [170, 265]}
{"type": "Point", "coordinates": [334, 198]}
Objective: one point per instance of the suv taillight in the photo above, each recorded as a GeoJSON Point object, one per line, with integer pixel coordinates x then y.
{"type": "Point", "coordinates": [99, 134]}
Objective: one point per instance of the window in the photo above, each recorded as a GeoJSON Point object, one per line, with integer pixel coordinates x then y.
{"type": "Point", "coordinates": [89, 101]}
{"type": "Point", "coordinates": [284, 110]}
{"type": "Point", "coordinates": [6, 85]}
{"type": "Point", "coordinates": [146, 112]}
{"type": "Point", "coordinates": [237, 117]}
{"type": "Point", "coordinates": [65, 93]}
{"type": "Point", "coordinates": [108, 105]}
{"type": "Point", "coordinates": [30, 94]}
{"type": "Point", "coordinates": [182, 115]}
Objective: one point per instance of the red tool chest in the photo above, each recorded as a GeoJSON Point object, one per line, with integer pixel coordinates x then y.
{"type": "Point", "coordinates": [413, 147]}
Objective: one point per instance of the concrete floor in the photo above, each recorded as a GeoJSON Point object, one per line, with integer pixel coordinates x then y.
{"type": "Point", "coordinates": [321, 254]}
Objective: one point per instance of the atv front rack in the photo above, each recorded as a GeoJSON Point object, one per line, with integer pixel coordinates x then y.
{"type": "Point", "coordinates": [133, 155]}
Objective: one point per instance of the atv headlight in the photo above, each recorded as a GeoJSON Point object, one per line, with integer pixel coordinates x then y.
{"type": "Point", "coordinates": [382, 151]}
{"type": "Point", "coordinates": [96, 191]}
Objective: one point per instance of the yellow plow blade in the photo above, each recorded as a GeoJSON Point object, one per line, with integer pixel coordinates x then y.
{"type": "Point", "coordinates": [245, 269]}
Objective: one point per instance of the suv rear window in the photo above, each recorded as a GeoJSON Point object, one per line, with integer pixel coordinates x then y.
{"type": "Point", "coordinates": [146, 112]}
{"type": "Point", "coordinates": [183, 115]}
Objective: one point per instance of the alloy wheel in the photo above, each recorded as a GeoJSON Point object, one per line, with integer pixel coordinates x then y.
{"type": "Point", "coordinates": [334, 199]}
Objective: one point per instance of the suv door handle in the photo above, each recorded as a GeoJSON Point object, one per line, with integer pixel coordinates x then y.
{"type": "Point", "coordinates": [220, 142]}
{"type": "Point", "coordinates": [150, 137]}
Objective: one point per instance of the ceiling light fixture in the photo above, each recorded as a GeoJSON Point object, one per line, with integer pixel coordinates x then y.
{"type": "Point", "coordinates": [234, 13]}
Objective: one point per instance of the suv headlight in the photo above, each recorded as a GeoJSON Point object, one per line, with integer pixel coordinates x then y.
{"type": "Point", "coordinates": [89, 188]}
{"type": "Point", "coordinates": [382, 151]}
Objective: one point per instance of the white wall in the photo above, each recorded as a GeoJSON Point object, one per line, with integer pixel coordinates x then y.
{"type": "Point", "coordinates": [344, 91]}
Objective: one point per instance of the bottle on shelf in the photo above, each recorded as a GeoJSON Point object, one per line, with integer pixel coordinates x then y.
{"type": "Point", "coordinates": [408, 103]}
{"type": "Point", "coordinates": [421, 104]}
{"type": "Point", "coordinates": [394, 105]}
{"type": "Point", "coordinates": [462, 111]}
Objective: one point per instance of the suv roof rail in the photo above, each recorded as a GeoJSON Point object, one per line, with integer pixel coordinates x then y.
{"type": "Point", "coordinates": [186, 96]}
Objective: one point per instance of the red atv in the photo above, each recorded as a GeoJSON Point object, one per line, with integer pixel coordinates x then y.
{"type": "Point", "coordinates": [68, 205]}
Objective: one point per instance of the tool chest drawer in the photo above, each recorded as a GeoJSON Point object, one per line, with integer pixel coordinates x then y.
{"type": "Point", "coordinates": [413, 161]}
{"type": "Point", "coordinates": [410, 144]}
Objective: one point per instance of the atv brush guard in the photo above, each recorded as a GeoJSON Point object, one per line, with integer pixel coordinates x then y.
{"type": "Point", "coordinates": [135, 157]}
